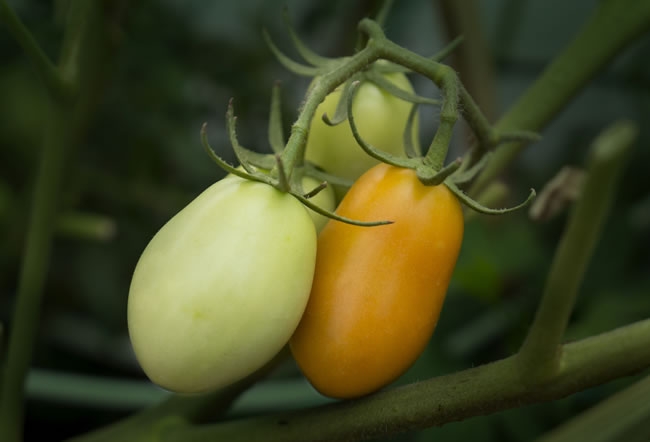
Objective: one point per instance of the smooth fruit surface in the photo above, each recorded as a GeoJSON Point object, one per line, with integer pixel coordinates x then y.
{"type": "Point", "coordinates": [380, 118]}
{"type": "Point", "coordinates": [222, 286]}
{"type": "Point", "coordinates": [378, 291]}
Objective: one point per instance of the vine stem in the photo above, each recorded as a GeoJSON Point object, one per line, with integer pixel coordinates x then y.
{"type": "Point", "coordinates": [539, 358]}
{"type": "Point", "coordinates": [379, 46]}
{"type": "Point", "coordinates": [84, 45]}
{"type": "Point", "coordinates": [293, 154]}
{"type": "Point", "coordinates": [477, 391]}
{"type": "Point", "coordinates": [611, 27]}
{"type": "Point", "coordinates": [442, 75]}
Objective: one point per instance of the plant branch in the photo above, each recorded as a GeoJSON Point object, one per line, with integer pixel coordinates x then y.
{"type": "Point", "coordinates": [478, 391]}
{"type": "Point", "coordinates": [539, 355]}
{"type": "Point", "coordinates": [56, 85]}
{"type": "Point", "coordinates": [611, 27]}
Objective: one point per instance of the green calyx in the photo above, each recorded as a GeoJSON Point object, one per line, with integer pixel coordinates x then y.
{"type": "Point", "coordinates": [429, 168]}
{"type": "Point", "coordinates": [284, 169]}
{"type": "Point", "coordinates": [270, 169]}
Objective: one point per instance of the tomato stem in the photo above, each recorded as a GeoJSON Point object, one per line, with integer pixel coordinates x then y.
{"type": "Point", "coordinates": [428, 179]}
{"type": "Point", "coordinates": [331, 73]}
{"type": "Point", "coordinates": [480, 208]}
{"type": "Point", "coordinates": [294, 151]}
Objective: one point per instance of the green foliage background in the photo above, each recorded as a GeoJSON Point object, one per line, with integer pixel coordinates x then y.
{"type": "Point", "coordinates": [178, 64]}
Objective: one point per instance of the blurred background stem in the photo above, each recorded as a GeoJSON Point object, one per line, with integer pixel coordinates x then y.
{"type": "Point", "coordinates": [539, 355]}
{"type": "Point", "coordinates": [472, 59]}
{"type": "Point", "coordinates": [181, 410]}
{"type": "Point", "coordinates": [83, 54]}
{"type": "Point", "coordinates": [611, 27]}
{"type": "Point", "coordinates": [623, 417]}
{"type": "Point", "coordinates": [32, 275]}
{"type": "Point", "coordinates": [54, 82]}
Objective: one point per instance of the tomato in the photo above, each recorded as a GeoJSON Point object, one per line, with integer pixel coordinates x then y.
{"type": "Point", "coordinates": [222, 286]}
{"type": "Point", "coordinates": [378, 291]}
{"type": "Point", "coordinates": [380, 118]}
{"type": "Point", "coordinates": [324, 199]}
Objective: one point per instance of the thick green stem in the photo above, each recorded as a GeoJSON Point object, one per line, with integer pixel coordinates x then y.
{"type": "Point", "coordinates": [539, 355]}
{"type": "Point", "coordinates": [612, 26]}
{"type": "Point", "coordinates": [437, 401]}
{"type": "Point", "coordinates": [84, 45]}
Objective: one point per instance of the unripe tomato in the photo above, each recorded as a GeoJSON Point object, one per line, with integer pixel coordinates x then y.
{"type": "Point", "coordinates": [378, 291]}
{"type": "Point", "coordinates": [380, 118]}
{"type": "Point", "coordinates": [222, 286]}
{"type": "Point", "coordinates": [324, 199]}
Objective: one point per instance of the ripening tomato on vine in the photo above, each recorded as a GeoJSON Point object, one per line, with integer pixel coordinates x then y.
{"type": "Point", "coordinates": [239, 273]}
{"type": "Point", "coordinates": [378, 292]}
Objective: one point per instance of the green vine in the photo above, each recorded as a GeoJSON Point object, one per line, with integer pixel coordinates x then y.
{"type": "Point", "coordinates": [474, 392]}
{"type": "Point", "coordinates": [332, 73]}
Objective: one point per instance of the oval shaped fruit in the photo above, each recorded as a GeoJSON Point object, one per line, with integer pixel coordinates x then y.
{"type": "Point", "coordinates": [380, 118]}
{"type": "Point", "coordinates": [378, 291]}
{"type": "Point", "coordinates": [222, 286]}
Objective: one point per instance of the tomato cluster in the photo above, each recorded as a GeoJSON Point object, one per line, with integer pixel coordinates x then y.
{"type": "Point", "coordinates": [239, 272]}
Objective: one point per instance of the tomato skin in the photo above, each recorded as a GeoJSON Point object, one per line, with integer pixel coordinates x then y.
{"type": "Point", "coordinates": [377, 292]}
{"type": "Point", "coordinates": [222, 286]}
{"type": "Point", "coordinates": [324, 199]}
{"type": "Point", "coordinates": [380, 118]}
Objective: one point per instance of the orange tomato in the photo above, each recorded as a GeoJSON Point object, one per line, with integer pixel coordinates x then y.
{"type": "Point", "coordinates": [378, 291]}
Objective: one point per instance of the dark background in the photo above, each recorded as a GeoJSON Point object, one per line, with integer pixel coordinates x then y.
{"type": "Point", "coordinates": [141, 161]}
